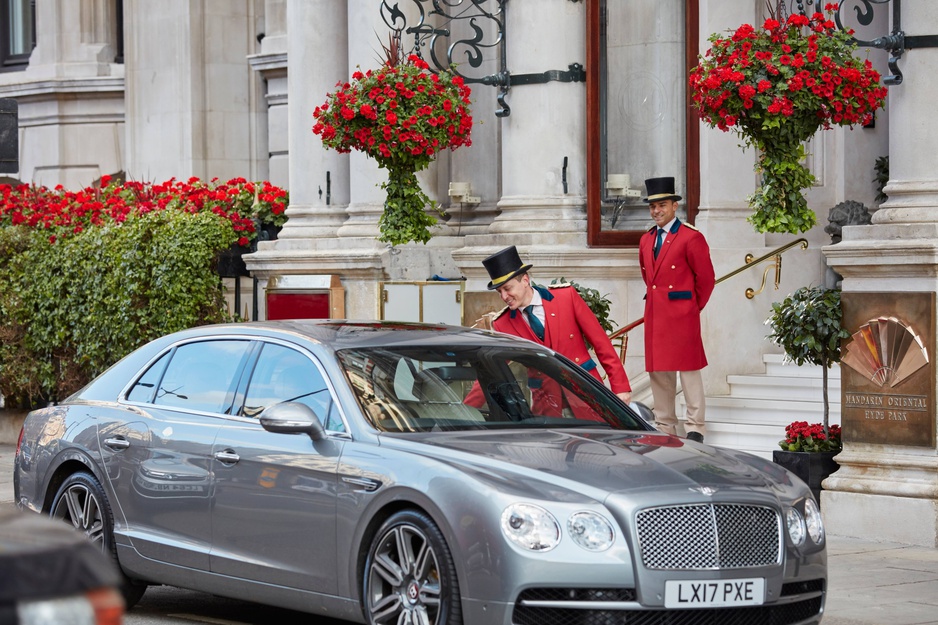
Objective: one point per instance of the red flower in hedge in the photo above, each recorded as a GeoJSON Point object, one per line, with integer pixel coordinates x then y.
{"type": "Point", "coordinates": [71, 212]}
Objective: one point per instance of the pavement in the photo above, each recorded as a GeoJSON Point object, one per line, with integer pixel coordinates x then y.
{"type": "Point", "coordinates": [870, 583]}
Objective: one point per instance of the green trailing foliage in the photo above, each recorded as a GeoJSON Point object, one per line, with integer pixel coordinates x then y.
{"type": "Point", "coordinates": [71, 307]}
{"type": "Point", "coordinates": [779, 204]}
{"type": "Point", "coordinates": [404, 218]}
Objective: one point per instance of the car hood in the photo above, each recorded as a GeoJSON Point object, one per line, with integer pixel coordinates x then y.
{"type": "Point", "coordinates": [602, 461]}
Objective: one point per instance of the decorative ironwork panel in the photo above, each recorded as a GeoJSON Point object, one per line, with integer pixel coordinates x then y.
{"type": "Point", "coordinates": [451, 34]}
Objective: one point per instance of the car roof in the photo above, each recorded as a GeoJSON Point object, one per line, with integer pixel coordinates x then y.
{"type": "Point", "coordinates": [318, 334]}
{"type": "Point", "coordinates": [350, 334]}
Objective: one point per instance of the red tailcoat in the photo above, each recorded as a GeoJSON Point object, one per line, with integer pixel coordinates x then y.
{"type": "Point", "coordinates": [679, 283]}
{"type": "Point", "coordinates": [567, 320]}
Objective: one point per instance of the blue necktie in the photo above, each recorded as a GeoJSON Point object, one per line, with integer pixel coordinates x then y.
{"type": "Point", "coordinates": [659, 241]}
{"type": "Point", "coordinates": [536, 324]}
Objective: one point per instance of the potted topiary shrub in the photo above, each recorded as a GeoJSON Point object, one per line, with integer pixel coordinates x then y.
{"type": "Point", "coordinates": [807, 325]}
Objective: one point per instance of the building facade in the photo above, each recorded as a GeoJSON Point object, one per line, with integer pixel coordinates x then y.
{"type": "Point", "coordinates": [224, 88]}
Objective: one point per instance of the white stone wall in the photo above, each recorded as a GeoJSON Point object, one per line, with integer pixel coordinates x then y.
{"type": "Point", "coordinates": [189, 89]}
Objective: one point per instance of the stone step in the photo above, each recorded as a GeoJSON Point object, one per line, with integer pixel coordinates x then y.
{"type": "Point", "coordinates": [783, 388]}
{"type": "Point", "coordinates": [776, 365]}
{"type": "Point", "coordinates": [753, 416]}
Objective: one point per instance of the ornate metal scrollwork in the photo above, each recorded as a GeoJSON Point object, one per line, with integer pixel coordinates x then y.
{"type": "Point", "coordinates": [434, 41]}
{"type": "Point", "coordinates": [896, 43]}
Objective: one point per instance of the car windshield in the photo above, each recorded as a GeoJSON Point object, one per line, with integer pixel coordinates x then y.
{"type": "Point", "coordinates": [418, 389]}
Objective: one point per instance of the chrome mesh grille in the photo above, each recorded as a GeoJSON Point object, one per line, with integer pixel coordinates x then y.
{"type": "Point", "coordinates": [709, 536]}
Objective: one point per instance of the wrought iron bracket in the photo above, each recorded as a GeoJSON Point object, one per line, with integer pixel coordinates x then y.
{"type": "Point", "coordinates": [429, 39]}
{"type": "Point", "coordinates": [896, 43]}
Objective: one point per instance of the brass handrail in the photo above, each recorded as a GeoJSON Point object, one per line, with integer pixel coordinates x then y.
{"type": "Point", "coordinates": [776, 254]}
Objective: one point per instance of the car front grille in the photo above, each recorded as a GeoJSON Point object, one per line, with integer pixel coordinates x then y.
{"type": "Point", "coordinates": [709, 536]}
{"type": "Point", "coordinates": [805, 607]}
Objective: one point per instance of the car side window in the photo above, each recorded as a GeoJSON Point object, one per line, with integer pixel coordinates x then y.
{"type": "Point", "coordinates": [202, 376]}
{"type": "Point", "coordinates": [144, 388]}
{"type": "Point", "coordinates": [283, 374]}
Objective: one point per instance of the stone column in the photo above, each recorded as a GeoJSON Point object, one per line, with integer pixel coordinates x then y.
{"type": "Point", "coordinates": [887, 489]}
{"type": "Point", "coordinates": [320, 34]}
{"type": "Point", "coordinates": [367, 33]}
{"type": "Point", "coordinates": [188, 86]}
{"type": "Point", "coordinates": [319, 178]}
{"type": "Point", "coordinates": [546, 125]}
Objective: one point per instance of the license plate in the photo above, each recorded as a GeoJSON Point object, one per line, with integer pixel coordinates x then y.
{"type": "Point", "coordinates": [689, 593]}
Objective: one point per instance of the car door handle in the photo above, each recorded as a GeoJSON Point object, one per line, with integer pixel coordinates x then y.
{"type": "Point", "coordinates": [227, 457]}
{"type": "Point", "coordinates": [117, 444]}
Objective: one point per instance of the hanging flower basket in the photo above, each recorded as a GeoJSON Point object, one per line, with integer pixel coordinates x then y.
{"type": "Point", "coordinates": [402, 115]}
{"type": "Point", "coordinates": [776, 87]}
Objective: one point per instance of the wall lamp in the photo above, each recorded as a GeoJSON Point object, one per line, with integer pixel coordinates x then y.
{"type": "Point", "coordinates": [461, 192]}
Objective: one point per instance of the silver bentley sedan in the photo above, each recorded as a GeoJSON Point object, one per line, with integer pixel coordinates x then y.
{"type": "Point", "coordinates": [404, 473]}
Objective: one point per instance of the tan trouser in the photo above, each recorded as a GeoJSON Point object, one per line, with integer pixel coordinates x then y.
{"type": "Point", "coordinates": [664, 391]}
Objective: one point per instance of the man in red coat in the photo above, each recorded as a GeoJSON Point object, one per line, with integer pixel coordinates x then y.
{"type": "Point", "coordinates": [555, 316]}
{"type": "Point", "coordinates": [678, 274]}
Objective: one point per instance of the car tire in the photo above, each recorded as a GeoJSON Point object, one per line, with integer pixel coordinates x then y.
{"type": "Point", "coordinates": [410, 569]}
{"type": "Point", "coordinates": [81, 502]}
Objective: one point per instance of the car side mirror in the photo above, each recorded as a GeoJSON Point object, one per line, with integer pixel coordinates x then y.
{"type": "Point", "coordinates": [292, 417]}
{"type": "Point", "coordinates": [644, 412]}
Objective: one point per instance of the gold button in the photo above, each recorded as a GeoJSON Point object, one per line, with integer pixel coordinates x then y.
{"type": "Point", "coordinates": [670, 286]}
{"type": "Point", "coordinates": [654, 286]}
{"type": "Point", "coordinates": [672, 266]}
{"type": "Point", "coordinates": [576, 360]}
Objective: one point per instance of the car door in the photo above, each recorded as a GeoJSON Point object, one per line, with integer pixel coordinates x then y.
{"type": "Point", "coordinates": [159, 458]}
{"type": "Point", "coordinates": [275, 494]}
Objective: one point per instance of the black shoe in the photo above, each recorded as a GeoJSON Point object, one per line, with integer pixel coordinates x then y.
{"type": "Point", "coordinates": [697, 437]}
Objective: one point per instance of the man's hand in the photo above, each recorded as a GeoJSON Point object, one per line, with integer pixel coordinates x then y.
{"type": "Point", "coordinates": [625, 396]}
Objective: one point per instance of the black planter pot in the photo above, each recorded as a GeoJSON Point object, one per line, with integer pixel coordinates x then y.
{"type": "Point", "coordinates": [269, 232]}
{"type": "Point", "coordinates": [230, 264]}
{"type": "Point", "coordinates": [811, 467]}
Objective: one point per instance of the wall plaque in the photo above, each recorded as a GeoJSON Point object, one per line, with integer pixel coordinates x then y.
{"type": "Point", "coordinates": [887, 368]}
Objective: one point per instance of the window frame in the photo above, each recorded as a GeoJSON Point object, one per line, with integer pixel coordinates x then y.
{"type": "Point", "coordinates": [15, 62]}
{"type": "Point", "coordinates": [595, 235]}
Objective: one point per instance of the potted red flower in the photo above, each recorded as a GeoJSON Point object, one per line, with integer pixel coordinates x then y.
{"type": "Point", "coordinates": [808, 451]}
{"type": "Point", "coordinates": [775, 86]}
{"type": "Point", "coordinates": [807, 325]}
{"type": "Point", "coordinates": [401, 115]}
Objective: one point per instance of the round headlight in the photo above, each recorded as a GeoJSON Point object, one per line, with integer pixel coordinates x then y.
{"type": "Point", "coordinates": [530, 526]}
{"type": "Point", "coordinates": [812, 519]}
{"type": "Point", "coordinates": [591, 531]}
{"type": "Point", "coordinates": [795, 523]}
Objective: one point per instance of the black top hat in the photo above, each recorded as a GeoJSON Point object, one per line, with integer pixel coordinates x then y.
{"type": "Point", "coordinates": [503, 266]}
{"type": "Point", "coordinates": [660, 189]}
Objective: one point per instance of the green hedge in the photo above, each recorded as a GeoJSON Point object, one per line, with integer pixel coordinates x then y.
{"type": "Point", "coordinates": [71, 306]}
